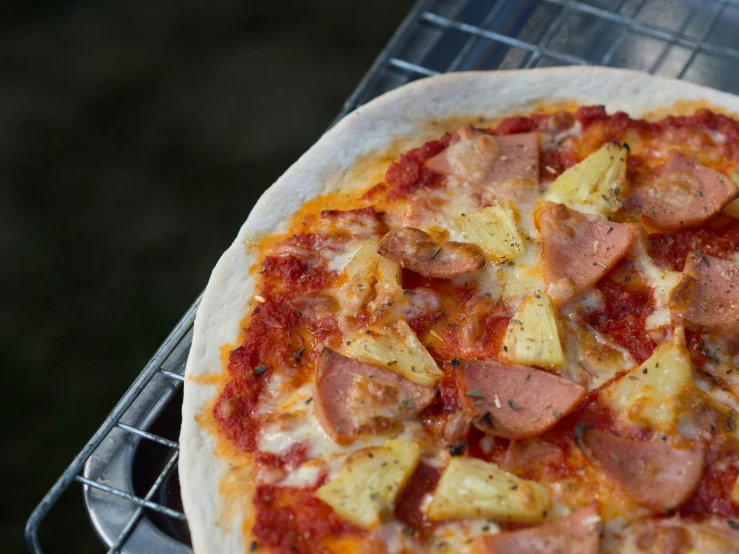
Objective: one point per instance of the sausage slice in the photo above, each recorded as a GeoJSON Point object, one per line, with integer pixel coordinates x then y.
{"type": "Point", "coordinates": [515, 402]}
{"type": "Point", "coordinates": [653, 473]}
{"type": "Point", "coordinates": [577, 533]}
{"type": "Point", "coordinates": [352, 398]}
{"type": "Point", "coordinates": [416, 250]}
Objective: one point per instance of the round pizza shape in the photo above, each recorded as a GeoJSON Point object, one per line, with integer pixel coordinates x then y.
{"type": "Point", "coordinates": [489, 313]}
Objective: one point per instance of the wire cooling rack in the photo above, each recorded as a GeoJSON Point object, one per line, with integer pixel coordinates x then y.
{"type": "Point", "coordinates": [128, 468]}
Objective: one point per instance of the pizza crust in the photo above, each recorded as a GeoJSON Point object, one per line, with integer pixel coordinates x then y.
{"type": "Point", "coordinates": [406, 113]}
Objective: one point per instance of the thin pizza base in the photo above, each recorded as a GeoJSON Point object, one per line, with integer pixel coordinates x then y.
{"type": "Point", "coordinates": [409, 114]}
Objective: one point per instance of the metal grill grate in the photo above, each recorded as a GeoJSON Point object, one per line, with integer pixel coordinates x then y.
{"type": "Point", "coordinates": [693, 40]}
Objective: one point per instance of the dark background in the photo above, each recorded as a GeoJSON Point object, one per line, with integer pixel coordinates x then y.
{"type": "Point", "coordinates": [134, 138]}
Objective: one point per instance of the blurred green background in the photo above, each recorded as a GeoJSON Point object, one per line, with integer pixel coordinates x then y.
{"type": "Point", "coordinates": [134, 139]}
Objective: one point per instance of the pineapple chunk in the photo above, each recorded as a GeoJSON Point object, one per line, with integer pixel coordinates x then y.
{"type": "Point", "coordinates": [364, 491]}
{"type": "Point", "coordinates": [494, 229]}
{"type": "Point", "coordinates": [368, 276]}
{"type": "Point", "coordinates": [735, 492]}
{"type": "Point", "coordinates": [596, 185]}
{"type": "Point", "coordinates": [388, 287]}
{"type": "Point", "coordinates": [651, 392]}
{"type": "Point", "coordinates": [471, 488]}
{"type": "Point", "coordinates": [398, 349]}
{"type": "Point", "coordinates": [532, 337]}
{"type": "Point", "coordinates": [732, 210]}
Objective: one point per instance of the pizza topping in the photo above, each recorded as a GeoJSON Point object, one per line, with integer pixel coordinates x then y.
{"type": "Point", "coordinates": [732, 208]}
{"type": "Point", "coordinates": [718, 237]}
{"type": "Point", "coordinates": [327, 233]}
{"type": "Point", "coordinates": [653, 473]}
{"type": "Point", "coordinates": [455, 430]}
{"type": "Point", "coordinates": [532, 337]}
{"type": "Point", "coordinates": [409, 173]}
{"type": "Point", "coordinates": [368, 277]}
{"type": "Point", "coordinates": [597, 185]}
{"type": "Point", "coordinates": [316, 304]}
{"type": "Point", "coordinates": [495, 230]}
{"type": "Point", "coordinates": [682, 193]}
{"type": "Point", "coordinates": [352, 398]}
{"type": "Point", "coordinates": [408, 507]}
{"type": "Point", "coordinates": [661, 281]}
{"type": "Point", "coordinates": [356, 224]}
{"type": "Point", "coordinates": [478, 157]}
{"type": "Point", "coordinates": [660, 539]}
{"type": "Point", "coordinates": [679, 536]}
{"type": "Point", "coordinates": [364, 491]}
{"type": "Point", "coordinates": [287, 248]}
{"type": "Point", "coordinates": [374, 341]}
{"type": "Point", "coordinates": [398, 349]}
{"type": "Point", "coordinates": [472, 488]}
{"type": "Point", "coordinates": [652, 392]}
{"type": "Point", "coordinates": [515, 402]}
{"type": "Point", "coordinates": [578, 249]}
{"type": "Point", "coordinates": [416, 250]}
{"type": "Point", "coordinates": [629, 304]}
{"type": "Point", "coordinates": [291, 520]}
{"type": "Point", "coordinates": [599, 355]}
{"type": "Point", "coordinates": [577, 533]}
{"type": "Point", "coordinates": [708, 291]}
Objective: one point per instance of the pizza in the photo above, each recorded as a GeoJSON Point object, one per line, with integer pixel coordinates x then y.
{"type": "Point", "coordinates": [488, 312]}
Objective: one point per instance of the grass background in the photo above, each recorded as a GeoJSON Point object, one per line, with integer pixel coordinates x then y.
{"type": "Point", "coordinates": [134, 139]}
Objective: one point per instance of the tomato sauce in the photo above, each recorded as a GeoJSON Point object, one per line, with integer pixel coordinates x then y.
{"type": "Point", "coordinates": [447, 400]}
{"type": "Point", "coordinates": [278, 336]}
{"type": "Point", "coordinates": [264, 347]}
{"type": "Point", "coordinates": [292, 520]}
{"type": "Point", "coordinates": [282, 336]}
{"type": "Point", "coordinates": [409, 173]}
{"type": "Point", "coordinates": [713, 496]}
{"type": "Point", "coordinates": [408, 504]}
{"type": "Point", "coordinates": [494, 451]}
{"type": "Point", "coordinates": [557, 443]}
{"type": "Point", "coordinates": [628, 303]}
{"type": "Point", "coordinates": [290, 273]}
{"type": "Point", "coordinates": [694, 342]}
{"type": "Point", "coordinates": [543, 459]}
{"type": "Point", "coordinates": [590, 412]}
{"type": "Point", "coordinates": [718, 237]}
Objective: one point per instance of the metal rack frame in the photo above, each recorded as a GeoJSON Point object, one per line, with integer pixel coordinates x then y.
{"type": "Point", "coordinates": [437, 36]}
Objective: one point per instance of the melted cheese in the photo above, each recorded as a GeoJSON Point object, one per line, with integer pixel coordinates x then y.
{"type": "Point", "coordinates": [652, 397]}
{"type": "Point", "coordinates": [294, 422]}
{"type": "Point", "coordinates": [661, 280]}
{"type": "Point", "coordinates": [512, 280]}
{"type": "Point", "coordinates": [306, 475]}
{"type": "Point", "coordinates": [452, 537]}
{"type": "Point", "coordinates": [589, 351]}
{"type": "Point", "coordinates": [718, 346]}
{"type": "Point", "coordinates": [339, 261]}
{"type": "Point", "coordinates": [302, 427]}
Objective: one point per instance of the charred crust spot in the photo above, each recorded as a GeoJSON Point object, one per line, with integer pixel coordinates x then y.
{"type": "Point", "coordinates": [458, 449]}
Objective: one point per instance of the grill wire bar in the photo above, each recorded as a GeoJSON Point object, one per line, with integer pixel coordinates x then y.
{"type": "Point", "coordinates": [683, 39]}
